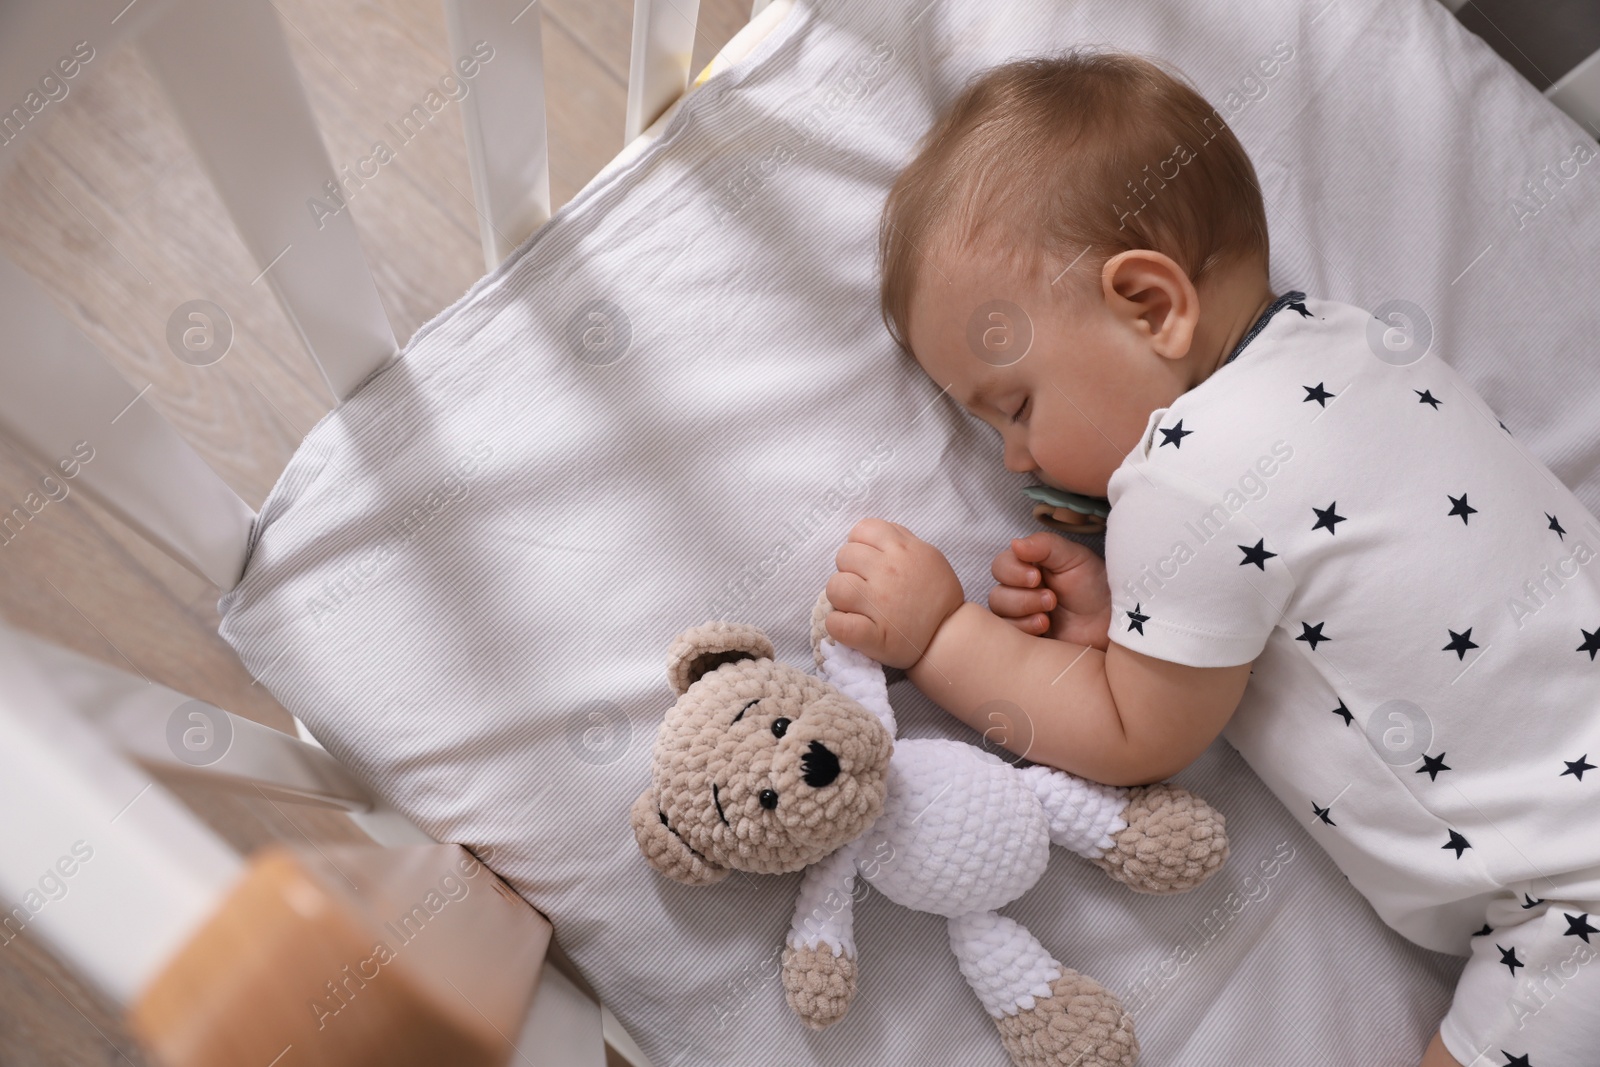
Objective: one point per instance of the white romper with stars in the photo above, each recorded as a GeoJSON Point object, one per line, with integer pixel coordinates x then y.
{"type": "Point", "coordinates": [1420, 597]}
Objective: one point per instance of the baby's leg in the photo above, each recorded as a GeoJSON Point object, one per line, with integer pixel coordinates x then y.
{"type": "Point", "coordinates": [1529, 992]}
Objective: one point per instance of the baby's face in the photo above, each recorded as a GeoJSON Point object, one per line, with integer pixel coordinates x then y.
{"type": "Point", "coordinates": [1068, 385]}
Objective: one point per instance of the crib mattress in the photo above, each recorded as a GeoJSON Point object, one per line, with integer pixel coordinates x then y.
{"type": "Point", "coordinates": [672, 403]}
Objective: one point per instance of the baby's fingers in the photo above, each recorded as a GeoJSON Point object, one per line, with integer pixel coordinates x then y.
{"type": "Point", "coordinates": [853, 631]}
{"type": "Point", "coordinates": [1009, 602]}
{"type": "Point", "coordinates": [1008, 569]}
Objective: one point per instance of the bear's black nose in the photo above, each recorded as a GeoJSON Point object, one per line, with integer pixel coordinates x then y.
{"type": "Point", "coordinates": [821, 767]}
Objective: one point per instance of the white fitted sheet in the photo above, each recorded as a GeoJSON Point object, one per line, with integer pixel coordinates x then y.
{"type": "Point", "coordinates": [487, 648]}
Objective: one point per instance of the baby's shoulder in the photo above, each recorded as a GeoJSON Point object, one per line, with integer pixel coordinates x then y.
{"type": "Point", "coordinates": [1280, 396]}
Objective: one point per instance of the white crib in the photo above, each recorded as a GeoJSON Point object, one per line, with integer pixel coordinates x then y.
{"type": "Point", "coordinates": [217, 958]}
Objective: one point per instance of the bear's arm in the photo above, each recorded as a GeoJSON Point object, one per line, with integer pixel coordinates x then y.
{"type": "Point", "coordinates": [824, 911]}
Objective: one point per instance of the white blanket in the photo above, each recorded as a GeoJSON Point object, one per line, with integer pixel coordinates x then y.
{"type": "Point", "coordinates": [674, 401]}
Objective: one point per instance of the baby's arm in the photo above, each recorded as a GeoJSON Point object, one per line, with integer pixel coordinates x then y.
{"type": "Point", "coordinates": [1117, 717]}
{"type": "Point", "coordinates": [1113, 716]}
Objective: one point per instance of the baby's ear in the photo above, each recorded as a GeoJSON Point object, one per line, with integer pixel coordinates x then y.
{"type": "Point", "coordinates": [665, 850]}
{"type": "Point", "coordinates": [708, 646]}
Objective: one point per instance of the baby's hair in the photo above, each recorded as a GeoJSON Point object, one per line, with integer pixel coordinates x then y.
{"type": "Point", "coordinates": [1077, 156]}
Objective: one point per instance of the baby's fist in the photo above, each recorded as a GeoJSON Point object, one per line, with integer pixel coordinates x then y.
{"type": "Point", "coordinates": [891, 594]}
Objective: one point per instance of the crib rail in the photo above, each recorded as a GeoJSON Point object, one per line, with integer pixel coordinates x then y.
{"type": "Point", "coordinates": [355, 954]}
{"type": "Point", "coordinates": [504, 120]}
{"type": "Point", "coordinates": [95, 858]}
{"type": "Point", "coordinates": [229, 77]}
{"type": "Point", "coordinates": [62, 401]}
{"type": "Point", "coordinates": [351, 957]}
{"type": "Point", "coordinates": [658, 70]}
{"type": "Point", "coordinates": [217, 958]}
{"type": "Point", "coordinates": [231, 81]}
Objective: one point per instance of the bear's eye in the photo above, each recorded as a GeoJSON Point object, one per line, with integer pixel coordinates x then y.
{"type": "Point", "coordinates": [746, 708]}
{"type": "Point", "coordinates": [780, 727]}
{"type": "Point", "coordinates": [769, 799]}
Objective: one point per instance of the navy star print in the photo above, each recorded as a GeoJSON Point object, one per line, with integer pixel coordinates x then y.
{"type": "Point", "coordinates": [1508, 956]}
{"type": "Point", "coordinates": [1322, 813]}
{"type": "Point", "coordinates": [1174, 436]}
{"type": "Point", "coordinates": [1327, 518]}
{"type": "Point", "coordinates": [1136, 619]}
{"type": "Point", "coordinates": [1257, 555]}
{"type": "Point", "coordinates": [1344, 713]}
{"type": "Point", "coordinates": [1578, 926]}
{"type": "Point", "coordinates": [1577, 767]}
{"type": "Point", "coordinates": [1555, 524]}
{"type": "Point", "coordinates": [1424, 396]}
{"type": "Point", "coordinates": [1317, 392]}
{"type": "Point", "coordinates": [1486, 931]}
{"type": "Point", "coordinates": [1461, 507]}
{"type": "Point", "coordinates": [1460, 643]}
{"type": "Point", "coordinates": [1297, 305]}
{"type": "Point", "coordinates": [1433, 765]}
{"type": "Point", "coordinates": [1529, 902]}
{"type": "Point", "coordinates": [1515, 1061]}
{"type": "Point", "coordinates": [1591, 642]}
{"type": "Point", "coordinates": [1312, 634]}
{"type": "Point", "coordinates": [1457, 842]}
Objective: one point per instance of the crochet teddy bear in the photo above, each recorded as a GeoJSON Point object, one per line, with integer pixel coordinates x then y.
{"type": "Point", "coordinates": [764, 768]}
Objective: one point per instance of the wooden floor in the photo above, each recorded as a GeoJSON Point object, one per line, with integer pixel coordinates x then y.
{"type": "Point", "coordinates": [110, 212]}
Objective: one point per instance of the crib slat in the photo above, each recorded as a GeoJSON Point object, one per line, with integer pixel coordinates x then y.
{"type": "Point", "coordinates": [227, 71]}
{"type": "Point", "coordinates": [64, 403]}
{"type": "Point", "coordinates": [176, 736]}
{"type": "Point", "coordinates": [1578, 93]}
{"type": "Point", "coordinates": [499, 57]}
{"type": "Point", "coordinates": [663, 48]}
{"type": "Point", "coordinates": [107, 867]}
{"type": "Point", "coordinates": [352, 956]}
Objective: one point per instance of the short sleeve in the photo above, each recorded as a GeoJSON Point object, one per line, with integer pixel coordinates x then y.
{"type": "Point", "coordinates": [1194, 580]}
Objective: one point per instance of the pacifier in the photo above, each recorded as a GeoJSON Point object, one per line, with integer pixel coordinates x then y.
{"type": "Point", "coordinates": [1067, 511]}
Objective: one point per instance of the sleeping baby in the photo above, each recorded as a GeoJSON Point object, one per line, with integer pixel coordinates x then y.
{"type": "Point", "coordinates": [1078, 256]}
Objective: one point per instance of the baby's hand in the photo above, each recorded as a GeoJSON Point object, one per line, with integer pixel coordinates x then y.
{"type": "Point", "coordinates": [1074, 603]}
{"type": "Point", "coordinates": [891, 593]}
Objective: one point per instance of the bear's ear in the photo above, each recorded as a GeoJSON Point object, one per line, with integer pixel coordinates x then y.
{"type": "Point", "coordinates": [665, 850]}
{"type": "Point", "coordinates": [708, 646]}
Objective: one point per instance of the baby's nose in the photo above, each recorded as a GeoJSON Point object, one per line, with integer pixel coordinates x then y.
{"type": "Point", "coordinates": [819, 765]}
{"type": "Point", "coordinates": [1017, 458]}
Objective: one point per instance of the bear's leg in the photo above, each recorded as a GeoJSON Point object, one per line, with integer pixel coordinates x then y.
{"type": "Point", "coordinates": [1083, 815]}
{"type": "Point", "coordinates": [1152, 838]}
{"type": "Point", "coordinates": [1048, 1015]}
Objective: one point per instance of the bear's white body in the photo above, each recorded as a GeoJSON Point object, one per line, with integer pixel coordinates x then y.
{"type": "Point", "coordinates": [962, 833]}
{"type": "Point", "coordinates": [934, 848]}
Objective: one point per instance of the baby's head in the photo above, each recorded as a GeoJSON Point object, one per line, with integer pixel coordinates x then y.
{"type": "Point", "coordinates": [1080, 240]}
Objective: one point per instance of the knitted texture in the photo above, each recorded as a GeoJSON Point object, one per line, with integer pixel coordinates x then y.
{"type": "Point", "coordinates": [758, 766]}
{"type": "Point", "coordinates": [1079, 1024]}
{"type": "Point", "coordinates": [819, 630]}
{"type": "Point", "coordinates": [859, 677]}
{"type": "Point", "coordinates": [822, 908]}
{"type": "Point", "coordinates": [1083, 814]}
{"type": "Point", "coordinates": [818, 984]}
{"type": "Point", "coordinates": [960, 831]}
{"type": "Point", "coordinates": [706, 647]}
{"type": "Point", "coordinates": [1003, 963]}
{"type": "Point", "coordinates": [1172, 843]}
{"type": "Point", "coordinates": [764, 768]}
{"type": "Point", "coordinates": [665, 851]}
